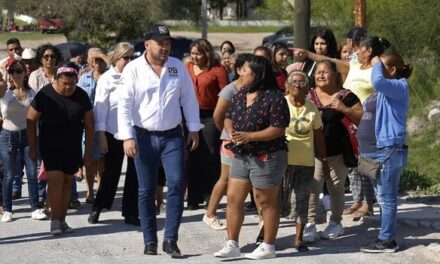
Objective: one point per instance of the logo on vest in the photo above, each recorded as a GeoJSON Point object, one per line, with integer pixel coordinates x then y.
{"type": "Point", "coordinates": [172, 72]}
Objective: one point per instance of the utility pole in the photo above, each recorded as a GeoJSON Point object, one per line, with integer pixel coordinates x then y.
{"type": "Point", "coordinates": [302, 23]}
{"type": "Point", "coordinates": [360, 13]}
{"type": "Point", "coordinates": [204, 19]}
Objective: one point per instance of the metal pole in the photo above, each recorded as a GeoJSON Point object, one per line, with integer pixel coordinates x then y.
{"type": "Point", "coordinates": [204, 19]}
{"type": "Point", "coordinates": [302, 24]}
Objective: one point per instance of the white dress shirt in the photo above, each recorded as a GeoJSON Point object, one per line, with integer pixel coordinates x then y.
{"type": "Point", "coordinates": [106, 101]}
{"type": "Point", "coordinates": [152, 102]}
{"type": "Point", "coordinates": [38, 79]}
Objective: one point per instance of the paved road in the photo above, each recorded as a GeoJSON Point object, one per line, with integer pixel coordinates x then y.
{"type": "Point", "coordinates": [111, 241]}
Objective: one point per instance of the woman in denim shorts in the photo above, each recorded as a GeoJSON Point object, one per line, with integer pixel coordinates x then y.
{"type": "Point", "coordinates": [256, 123]}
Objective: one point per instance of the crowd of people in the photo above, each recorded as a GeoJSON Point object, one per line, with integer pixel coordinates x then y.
{"type": "Point", "coordinates": [283, 125]}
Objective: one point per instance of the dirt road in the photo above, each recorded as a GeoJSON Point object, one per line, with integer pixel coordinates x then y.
{"type": "Point", "coordinates": [243, 42]}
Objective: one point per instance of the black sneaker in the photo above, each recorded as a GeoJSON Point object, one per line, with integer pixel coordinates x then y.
{"type": "Point", "coordinates": [16, 195]}
{"type": "Point", "coordinates": [94, 216]}
{"type": "Point", "coordinates": [381, 246]}
{"type": "Point", "coordinates": [132, 220]}
{"type": "Point", "coordinates": [75, 204]}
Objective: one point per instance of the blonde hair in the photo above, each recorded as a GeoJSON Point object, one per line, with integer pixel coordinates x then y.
{"type": "Point", "coordinates": [121, 49]}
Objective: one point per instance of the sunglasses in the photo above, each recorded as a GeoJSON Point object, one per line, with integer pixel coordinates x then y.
{"type": "Point", "coordinates": [300, 83]}
{"type": "Point", "coordinates": [15, 70]}
{"type": "Point", "coordinates": [98, 60]}
{"type": "Point", "coordinates": [49, 56]}
{"type": "Point", "coordinates": [127, 58]}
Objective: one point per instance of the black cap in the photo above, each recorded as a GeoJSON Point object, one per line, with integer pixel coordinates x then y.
{"type": "Point", "coordinates": [157, 33]}
{"type": "Point", "coordinates": [356, 34]}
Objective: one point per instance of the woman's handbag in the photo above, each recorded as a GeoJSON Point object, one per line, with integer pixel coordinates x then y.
{"type": "Point", "coordinates": [370, 167]}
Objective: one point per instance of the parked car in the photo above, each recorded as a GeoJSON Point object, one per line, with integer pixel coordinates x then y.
{"type": "Point", "coordinates": [283, 32]}
{"type": "Point", "coordinates": [50, 25]}
{"type": "Point", "coordinates": [285, 35]}
{"type": "Point", "coordinates": [288, 40]}
{"type": "Point", "coordinates": [179, 47]}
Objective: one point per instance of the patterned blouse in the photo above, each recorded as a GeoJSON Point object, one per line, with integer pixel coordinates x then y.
{"type": "Point", "coordinates": [269, 109]}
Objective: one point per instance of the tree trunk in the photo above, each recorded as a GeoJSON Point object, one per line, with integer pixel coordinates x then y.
{"type": "Point", "coordinates": [360, 17]}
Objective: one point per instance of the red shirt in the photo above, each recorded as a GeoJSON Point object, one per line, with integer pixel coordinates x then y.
{"type": "Point", "coordinates": [281, 79]}
{"type": "Point", "coordinates": [208, 84]}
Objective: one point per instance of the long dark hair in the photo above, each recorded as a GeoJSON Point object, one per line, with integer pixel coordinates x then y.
{"type": "Point", "coordinates": [327, 35]}
{"type": "Point", "coordinates": [264, 76]}
{"type": "Point", "coordinates": [274, 48]}
{"type": "Point", "coordinates": [26, 77]}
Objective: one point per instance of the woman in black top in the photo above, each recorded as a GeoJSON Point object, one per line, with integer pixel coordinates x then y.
{"type": "Point", "coordinates": [335, 104]}
{"type": "Point", "coordinates": [61, 111]}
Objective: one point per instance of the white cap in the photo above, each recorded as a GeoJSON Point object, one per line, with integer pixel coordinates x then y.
{"type": "Point", "coordinates": [28, 54]}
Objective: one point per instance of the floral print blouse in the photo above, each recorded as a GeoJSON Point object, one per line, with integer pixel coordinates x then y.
{"type": "Point", "coordinates": [269, 109]}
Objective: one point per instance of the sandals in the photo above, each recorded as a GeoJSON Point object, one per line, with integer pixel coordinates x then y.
{"type": "Point", "coordinates": [359, 214]}
{"type": "Point", "coordinates": [353, 208]}
{"type": "Point", "coordinates": [301, 247]}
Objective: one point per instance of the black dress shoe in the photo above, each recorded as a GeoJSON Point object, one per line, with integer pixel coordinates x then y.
{"type": "Point", "coordinates": [132, 220]}
{"type": "Point", "coordinates": [94, 217]}
{"type": "Point", "coordinates": [193, 207]}
{"type": "Point", "coordinates": [16, 195]}
{"type": "Point", "coordinates": [170, 247]}
{"type": "Point", "coordinates": [150, 249]}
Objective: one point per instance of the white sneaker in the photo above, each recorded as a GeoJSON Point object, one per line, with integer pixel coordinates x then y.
{"type": "Point", "coordinates": [38, 214]}
{"type": "Point", "coordinates": [7, 217]}
{"type": "Point", "coordinates": [214, 223]}
{"type": "Point", "coordinates": [228, 251]}
{"type": "Point", "coordinates": [261, 253]}
{"type": "Point", "coordinates": [309, 233]}
{"type": "Point", "coordinates": [333, 230]}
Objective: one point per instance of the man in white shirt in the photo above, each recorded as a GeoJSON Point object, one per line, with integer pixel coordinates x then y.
{"type": "Point", "coordinates": [156, 91]}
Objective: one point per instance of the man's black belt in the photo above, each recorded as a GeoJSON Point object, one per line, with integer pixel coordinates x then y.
{"type": "Point", "coordinates": [156, 133]}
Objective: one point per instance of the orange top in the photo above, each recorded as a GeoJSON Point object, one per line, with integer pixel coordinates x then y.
{"type": "Point", "coordinates": [208, 84]}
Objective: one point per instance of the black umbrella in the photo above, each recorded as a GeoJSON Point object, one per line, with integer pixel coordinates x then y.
{"type": "Point", "coordinates": [72, 49]}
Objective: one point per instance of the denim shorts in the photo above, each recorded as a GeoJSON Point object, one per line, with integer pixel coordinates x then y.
{"type": "Point", "coordinates": [263, 171]}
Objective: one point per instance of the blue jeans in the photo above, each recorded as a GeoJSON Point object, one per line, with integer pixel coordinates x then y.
{"type": "Point", "coordinates": [18, 180]}
{"type": "Point", "coordinates": [386, 187]}
{"type": "Point", "coordinates": [153, 149]}
{"type": "Point", "coordinates": [14, 148]}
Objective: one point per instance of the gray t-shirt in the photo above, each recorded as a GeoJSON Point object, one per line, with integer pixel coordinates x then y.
{"type": "Point", "coordinates": [226, 94]}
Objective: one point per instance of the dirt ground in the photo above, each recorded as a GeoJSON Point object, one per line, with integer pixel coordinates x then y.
{"type": "Point", "coordinates": [243, 42]}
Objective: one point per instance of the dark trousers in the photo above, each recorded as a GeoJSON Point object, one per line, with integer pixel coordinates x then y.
{"type": "Point", "coordinates": [110, 178]}
{"type": "Point", "coordinates": [204, 163]}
